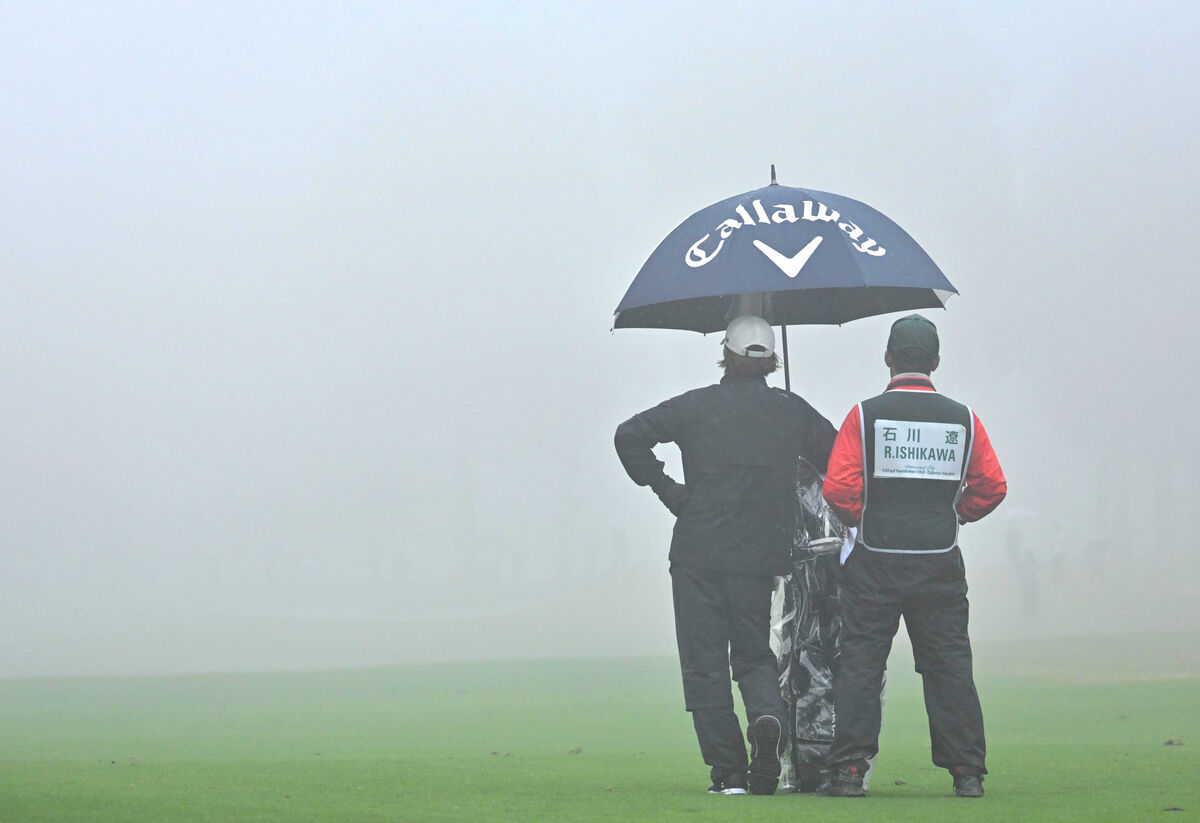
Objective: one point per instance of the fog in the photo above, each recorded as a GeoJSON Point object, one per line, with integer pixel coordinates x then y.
{"type": "Point", "coordinates": [305, 323]}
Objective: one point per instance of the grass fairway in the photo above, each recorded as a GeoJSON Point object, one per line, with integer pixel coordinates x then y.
{"type": "Point", "coordinates": [1075, 732]}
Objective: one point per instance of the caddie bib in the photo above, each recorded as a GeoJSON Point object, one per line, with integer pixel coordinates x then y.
{"type": "Point", "coordinates": [916, 449]}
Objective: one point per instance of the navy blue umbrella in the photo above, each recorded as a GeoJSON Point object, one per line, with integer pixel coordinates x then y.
{"type": "Point", "coordinates": [792, 256]}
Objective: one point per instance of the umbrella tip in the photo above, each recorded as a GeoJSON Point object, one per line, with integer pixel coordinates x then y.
{"type": "Point", "coordinates": [774, 182]}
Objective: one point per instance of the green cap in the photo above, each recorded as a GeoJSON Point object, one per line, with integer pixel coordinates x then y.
{"type": "Point", "coordinates": [913, 335]}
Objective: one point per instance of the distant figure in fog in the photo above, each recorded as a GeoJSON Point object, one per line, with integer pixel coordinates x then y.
{"type": "Point", "coordinates": [1025, 569]}
{"type": "Point", "coordinates": [1013, 538]}
{"type": "Point", "coordinates": [908, 467]}
{"type": "Point", "coordinates": [739, 441]}
{"type": "Point", "coordinates": [1030, 571]}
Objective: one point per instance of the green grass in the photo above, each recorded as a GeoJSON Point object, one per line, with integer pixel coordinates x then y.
{"type": "Point", "coordinates": [1076, 736]}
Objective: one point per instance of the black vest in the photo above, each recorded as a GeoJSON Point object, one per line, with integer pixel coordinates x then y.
{"type": "Point", "coordinates": [916, 448]}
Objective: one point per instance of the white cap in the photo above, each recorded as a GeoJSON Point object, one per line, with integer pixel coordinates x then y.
{"type": "Point", "coordinates": [750, 336]}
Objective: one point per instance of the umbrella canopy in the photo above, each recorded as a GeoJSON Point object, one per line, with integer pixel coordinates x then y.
{"type": "Point", "coordinates": [792, 256]}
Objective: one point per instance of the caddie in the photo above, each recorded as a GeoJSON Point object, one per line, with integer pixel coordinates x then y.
{"type": "Point", "coordinates": [739, 440]}
{"type": "Point", "coordinates": [908, 467]}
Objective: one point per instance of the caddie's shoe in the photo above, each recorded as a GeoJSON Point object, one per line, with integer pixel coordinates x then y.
{"type": "Point", "coordinates": [846, 781]}
{"type": "Point", "coordinates": [766, 737]}
{"type": "Point", "coordinates": [732, 784]}
{"type": "Point", "coordinates": [968, 785]}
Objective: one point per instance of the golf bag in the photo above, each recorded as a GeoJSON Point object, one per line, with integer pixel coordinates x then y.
{"type": "Point", "coordinates": [806, 625]}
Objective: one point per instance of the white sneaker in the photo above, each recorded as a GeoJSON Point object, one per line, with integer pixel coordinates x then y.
{"type": "Point", "coordinates": [719, 787]}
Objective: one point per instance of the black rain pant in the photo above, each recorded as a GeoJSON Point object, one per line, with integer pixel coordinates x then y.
{"type": "Point", "coordinates": [723, 621]}
{"type": "Point", "coordinates": [930, 592]}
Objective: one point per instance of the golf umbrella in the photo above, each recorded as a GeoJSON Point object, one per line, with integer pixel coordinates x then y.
{"type": "Point", "coordinates": [792, 256]}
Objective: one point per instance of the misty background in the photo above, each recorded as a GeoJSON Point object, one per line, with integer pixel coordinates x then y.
{"type": "Point", "coordinates": [305, 312]}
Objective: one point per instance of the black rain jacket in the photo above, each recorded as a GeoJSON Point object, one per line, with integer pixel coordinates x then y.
{"type": "Point", "coordinates": [739, 440]}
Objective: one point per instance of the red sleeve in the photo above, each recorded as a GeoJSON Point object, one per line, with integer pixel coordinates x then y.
{"type": "Point", "coordinates": [986, 485]}
{"type": "Point", "coordinates": [843, 489]}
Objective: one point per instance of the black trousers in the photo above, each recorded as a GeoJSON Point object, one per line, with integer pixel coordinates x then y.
{"type": "Point", "coordinates": [723, 621]}
{"type": "Point", "coordinates": [930, 592]}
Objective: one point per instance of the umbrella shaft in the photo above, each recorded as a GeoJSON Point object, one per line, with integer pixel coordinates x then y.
{"type": "Point", "coordinates": [787, 377]}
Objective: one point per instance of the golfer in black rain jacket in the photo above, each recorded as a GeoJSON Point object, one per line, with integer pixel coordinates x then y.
{"type": "Point", "coordinates": [739, 441]}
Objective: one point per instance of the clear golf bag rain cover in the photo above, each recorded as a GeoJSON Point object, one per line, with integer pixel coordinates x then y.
{"type": "Point", "coordinates": [806, 626]}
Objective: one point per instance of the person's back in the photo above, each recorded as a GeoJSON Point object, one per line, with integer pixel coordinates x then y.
{"type": "Point", "coordinates": [739, 440]}
{"type": "Point", "coordinates": [909, 466]}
